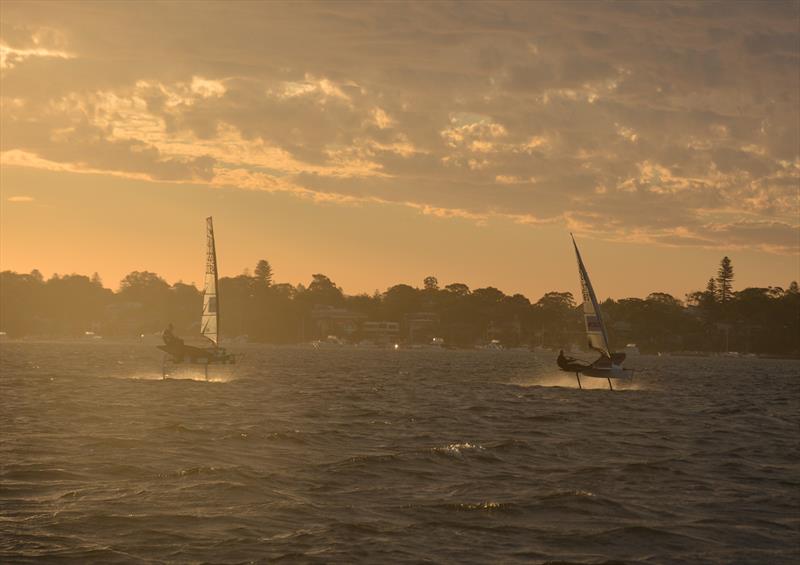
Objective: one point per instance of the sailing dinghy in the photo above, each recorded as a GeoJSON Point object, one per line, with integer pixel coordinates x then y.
{"type": "Point", "coordinates": [608, 365]}
{"type": "Point", "coordinates": [177, 353]}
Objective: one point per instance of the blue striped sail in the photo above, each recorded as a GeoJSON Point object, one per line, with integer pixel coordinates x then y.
{"type": "Point", "coordinates": [595, 328]}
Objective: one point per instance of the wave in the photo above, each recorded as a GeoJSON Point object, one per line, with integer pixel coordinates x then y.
{"type": "Point", "coordinates": [336, 459]}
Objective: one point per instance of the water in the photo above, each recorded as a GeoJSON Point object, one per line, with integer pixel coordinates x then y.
{"type": "Point", "coordinates": [342, 456]}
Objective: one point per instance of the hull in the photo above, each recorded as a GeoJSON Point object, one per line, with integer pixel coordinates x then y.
{"type": "Point", "coordinates": [199, 355]}
{"type": "Point", "coordinates": [611, 373]}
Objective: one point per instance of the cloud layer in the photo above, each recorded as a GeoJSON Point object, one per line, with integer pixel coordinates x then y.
{"type": "Point", "coordinates": [677, 124]}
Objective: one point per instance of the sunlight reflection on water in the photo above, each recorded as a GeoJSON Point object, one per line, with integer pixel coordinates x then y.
{"type": "Point", "coordinates": [378, 456]}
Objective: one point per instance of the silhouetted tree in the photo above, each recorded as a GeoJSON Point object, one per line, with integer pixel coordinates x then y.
{"type": "Point", "coordinates": [237, 311]}
{"type": "Point", "coordinates": [141, 285]}
{"type": "Point", "coordinates": [711, 289]}
{"type": "Point", "coordinates": [763, 320]}
{"type": "Point", "coordinates": [365, 304]}
{"type": "Point", "coordinates": [558, 319]}
{"type": "Point", "coordinates": [399, 300]}
{"type": "Point", "coordinates": [277, 317]}
{"type": "Point", "coordinates": [263, 273]}
{"type": "Point", "coordinates": [148, 296]}
{"type": "Point", "coordinates": [519, 301]}
{"type": "Point", "coordinates": [431, 283]}
{"type": "Point", "coordinates": [286, 290]}
{"type": "Point", "coordinates": [457, 288]}
{"type": "Point", "coordinates": [664, 298]}
{"type": "Point", "coordinates": [557, 300]}
{"type": "Point", "coordinates": [322, 290]}
{"type": "Point", "coordinates": [73, 304]}
{"type": "Point", "coordinates": [185, 304]}
{"type": "Point", "coordinates": [20, 302]}
{"type": "Point", "coordinates": [488, 294]}
{"type": "Point", "coordinates": [725, 280]}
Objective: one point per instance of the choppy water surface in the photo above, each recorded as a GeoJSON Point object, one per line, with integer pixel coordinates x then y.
{"type": "Point", "coordinates": [394, 456]}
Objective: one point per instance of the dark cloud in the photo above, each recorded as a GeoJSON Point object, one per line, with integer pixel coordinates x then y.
{"type": "Point", "coordinates": [677, 120]}
{"type": "Point", "coordinates": [89, 147]}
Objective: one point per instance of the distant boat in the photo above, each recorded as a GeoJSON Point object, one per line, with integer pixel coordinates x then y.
{"type": "Point", "coordinates": [608, 365]}
{"type": "Point", "coordinates": [631, 349]}
{"type": "Point", "coordinates": [179, 353]}
{"type": "Point", "coordinates": [329, 342]}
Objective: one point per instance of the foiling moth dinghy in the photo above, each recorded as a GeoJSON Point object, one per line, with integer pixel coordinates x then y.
{"type": "Point", "coordinates": [177, 353]}
{"type": "Point", "coordinates": [189, 355]}
{"type": "Point", "coordinates": [608, 365]}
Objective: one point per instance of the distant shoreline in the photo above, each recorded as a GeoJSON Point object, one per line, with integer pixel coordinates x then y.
{"type": "Point", "coordinates": [752, 321]}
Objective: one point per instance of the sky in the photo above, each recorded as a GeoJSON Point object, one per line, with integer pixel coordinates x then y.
{"type": "Point", "coordinates": [379, 143]}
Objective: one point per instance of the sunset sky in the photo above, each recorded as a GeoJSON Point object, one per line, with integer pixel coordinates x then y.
{"type": "Point", "coordinates": [379, 143]}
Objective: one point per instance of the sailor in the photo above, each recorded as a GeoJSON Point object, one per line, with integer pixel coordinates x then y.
{"type": "Point", "coordinates": [562, 360]}
{"type": "Point", "coordinates": [169, 338]}
{"type": "Point", "coordinates": [567, 363]}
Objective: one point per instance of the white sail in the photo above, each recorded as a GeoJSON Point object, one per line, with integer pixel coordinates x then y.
{"type": "Point", "coordinates": [595, 328]}
{"type": "Point", "coordinates": [209, 321]}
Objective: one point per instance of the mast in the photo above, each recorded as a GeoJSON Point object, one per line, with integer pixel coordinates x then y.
{"type": "Point", "coordinates": [209, 321]}
{"type": "Point", "coordinates": [595, 328]}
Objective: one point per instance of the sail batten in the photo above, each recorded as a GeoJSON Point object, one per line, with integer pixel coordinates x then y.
{"type": "Point", "coordinates": [209, 320]}
{"type": "Point", "coordinates": [593, 321]}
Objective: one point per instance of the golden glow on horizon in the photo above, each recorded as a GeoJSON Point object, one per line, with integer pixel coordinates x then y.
{"type": "Point", "coordinates": [147, 226]}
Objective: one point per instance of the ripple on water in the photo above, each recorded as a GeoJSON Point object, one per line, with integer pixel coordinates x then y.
{"type": "Point", "coordinates": [408, 456]}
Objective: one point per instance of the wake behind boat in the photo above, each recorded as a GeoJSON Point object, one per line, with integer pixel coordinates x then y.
{"type": "Point", "coordinates": [178, 353]}
{"type": "Point", "coordinates": [608, 365]}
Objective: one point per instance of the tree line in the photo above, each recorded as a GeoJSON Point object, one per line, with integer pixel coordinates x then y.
{"type": "Point", "coordinates": [719, 318]}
